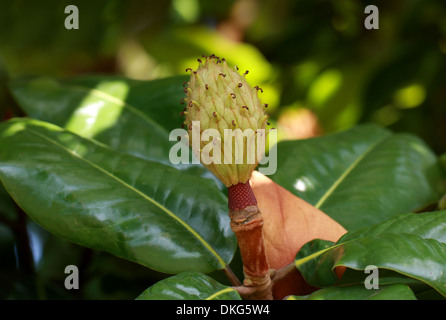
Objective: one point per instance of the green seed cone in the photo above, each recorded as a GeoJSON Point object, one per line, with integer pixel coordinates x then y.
{"type": "Point", "coordinates": [219, 98]}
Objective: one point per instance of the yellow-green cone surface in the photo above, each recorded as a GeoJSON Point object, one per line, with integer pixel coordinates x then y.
{"type": "Point", "coordinates": [219, 97]}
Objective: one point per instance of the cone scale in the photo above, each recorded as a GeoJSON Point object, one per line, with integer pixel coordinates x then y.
{"type": "Point", "coordinates": [218, 97]}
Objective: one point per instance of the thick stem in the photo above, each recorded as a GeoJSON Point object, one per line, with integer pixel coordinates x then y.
{"type": "Point", "coordinates": [247, 224]}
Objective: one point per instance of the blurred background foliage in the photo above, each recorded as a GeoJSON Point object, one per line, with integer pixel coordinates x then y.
{"type": "Point", "coordinates": [321, 71]}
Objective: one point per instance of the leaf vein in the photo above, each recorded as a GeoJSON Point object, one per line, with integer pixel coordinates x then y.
{"type": "Point", "coordinates": [140, 193]}
{"type": "Point", "coordinates": [344, 175]}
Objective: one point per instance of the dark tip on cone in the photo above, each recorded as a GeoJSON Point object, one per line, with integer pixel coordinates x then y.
{"type": "Point", "coordinates": [258, 88]}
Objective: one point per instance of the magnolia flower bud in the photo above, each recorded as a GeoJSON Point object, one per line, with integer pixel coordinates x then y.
{"type": "Point", "coordinates": [219, 98]}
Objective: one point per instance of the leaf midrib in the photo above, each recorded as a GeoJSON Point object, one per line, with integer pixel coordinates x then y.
{"type": "Point", "coordinates": [344, 175]}
{"type": "Point", "coordinates": [120, 102]}
{"type": "Point", "coordinates": [140, 193]}
{"type": "Point", "coordinates": [301, 261]}
{"type": "Point", "coordinates": [221, 292]}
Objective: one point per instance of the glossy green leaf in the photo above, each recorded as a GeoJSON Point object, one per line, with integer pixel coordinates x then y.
{"type": "Point", "coordinates": [189, 286]}
{"type": "Point", "coordinates": [129, 116]}
{"type": "Point", "coordinates": [360, 176]}
{"type": "Point", "coordinates": [143, 211]}
{"type": "Point", "coordinates": [359, 292]}
{"type": "Point", "coordinates": [428, 225]}
{"type": "Point", "coordinates": [412, 245]}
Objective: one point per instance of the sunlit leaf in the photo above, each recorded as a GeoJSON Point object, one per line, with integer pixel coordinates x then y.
{"type": "Point", "coordinates": [359, 292]}
{"type": "Point", "coordinates": [129, 116]}
{"type": "Point", "coordinates": [411, 245]}
{"type": "Point", "coordinates": [189, 286]}
{"type": "Point", "coordinates": [360, 176]}
{"type": "Point", "coordinates": [143, 211]}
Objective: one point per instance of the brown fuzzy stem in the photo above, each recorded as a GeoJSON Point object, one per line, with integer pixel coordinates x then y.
{"type": "Point", "coordinates": [247, 224]}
